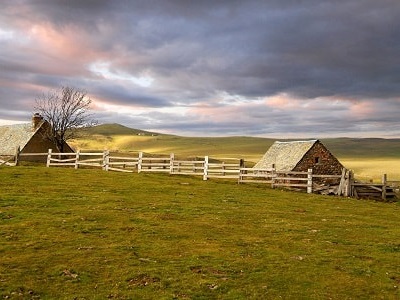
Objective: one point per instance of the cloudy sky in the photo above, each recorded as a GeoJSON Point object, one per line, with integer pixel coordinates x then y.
{"type": "Point", "coordinates": [268, 68]}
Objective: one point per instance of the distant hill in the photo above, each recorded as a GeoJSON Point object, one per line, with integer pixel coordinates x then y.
{"type": "Point", "coordinates": [115, 129]}
{"type": "Point", "coordinates": [121, 138]}
{"type": "Point", "coordinates": [364, 147]}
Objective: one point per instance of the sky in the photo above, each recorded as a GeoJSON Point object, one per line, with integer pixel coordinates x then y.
{"type": "Point", "coordinates": [284, 69]}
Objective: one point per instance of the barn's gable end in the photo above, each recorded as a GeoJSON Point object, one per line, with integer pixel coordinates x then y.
{"type": "Point", "coordinates": [38, 143]}
{"type": "Point", "coordinates": [321, 160]}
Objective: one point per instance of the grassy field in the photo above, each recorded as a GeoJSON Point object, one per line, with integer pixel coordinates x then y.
{"type": "Point", "coordinates": [369, 158]}
{"type": "Point", "coordinates": [373, 168]}
{"type": "Point", "coordinates": [90, 234]}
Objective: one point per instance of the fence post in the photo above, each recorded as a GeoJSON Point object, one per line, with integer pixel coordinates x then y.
{"type": "Point", "coordinates": [48, 158]}
{"type": "Point", "coordinates": [346, 187]}
{"type": "Point", "coordinates": [349, 188]}
{"type": "Point", "coordinates": [171, 163]}
{"type": "Point", "coordinates": [241, 171]}
{"type": "Point", "coordinates": [17, 152]}
{"type": "Point", "coordinates": [273, 174]}
{"type": "Point", "coordinates": [384, 184]}
{"type": "Point", "coordinates": [140, 160]}
{"type": "Point", "coordinates": [77, 159]}
{"type": "Point", "coordinates": [342, 183]}
{"type": "Point", "coordinates": [309, 181]}
{"type": "Point", "coordinates": [205, 168]}
{"type": "Point", "coordinates": [106, 159]}
{"type": "Point", "coordinates": [352, 187]}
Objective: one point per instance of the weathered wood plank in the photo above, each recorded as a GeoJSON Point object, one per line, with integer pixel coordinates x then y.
{"type": "Point", "coordinates": [326, 176]}
{"type": "Point", "coordinates": [34, 154]}
{"type": "Point", "coordinates": [222, 176]}
{"type": "Point", "coordinates": [291, 178]}
{"type": "Point", "coordinates": [188, 173]}
{"type": "Point", "coordinates": [120, 170]}
{"type": "Point", "coordinates": [223, 171]}
{"type": "Point", "coordinates": [290, 185]}
{"type": "Point", "coordinates": [62, 160]}
{"type": "Point", "coordinates": [255, 181]}
{"type": "Point", "coordinates": [189, 162]}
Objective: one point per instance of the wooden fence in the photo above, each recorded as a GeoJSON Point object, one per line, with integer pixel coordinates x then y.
{"type": "Point", "coordinates": [350, 187]}
{"type": "Point", "coordinates": [292, 179]}
{"type": "Point", "coordinates": [342, 185]}
{"type": "Point", "coordinates": [141, 163]}
{"type": "Point", "coordinates": [7, 161]}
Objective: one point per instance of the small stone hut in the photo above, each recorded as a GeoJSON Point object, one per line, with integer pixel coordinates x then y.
{"type": "Point", "coordinates": [28, 138]}
{"type": "Point", "coordinates": [301, 156]}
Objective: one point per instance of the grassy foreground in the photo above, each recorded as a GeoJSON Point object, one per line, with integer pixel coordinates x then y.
{"type": "Point", "coordinates": [89, 234]}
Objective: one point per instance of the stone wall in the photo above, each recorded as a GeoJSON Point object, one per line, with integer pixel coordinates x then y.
{"type": "Point", "coordinates": [320, 160]}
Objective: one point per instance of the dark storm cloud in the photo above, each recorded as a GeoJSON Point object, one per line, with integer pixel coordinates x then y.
{"type": "Point", "coordinates": [194, 51]}
{"type": "Point", "coordinates": [310, 49]}
{"type": "Point", "coordinates": [121, 95]}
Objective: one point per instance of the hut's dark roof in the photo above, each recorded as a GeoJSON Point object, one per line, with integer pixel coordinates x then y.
{"type": "Point", "coordinates": [285, 155]}
{"type": "Point", "coordinates": [13, 136]}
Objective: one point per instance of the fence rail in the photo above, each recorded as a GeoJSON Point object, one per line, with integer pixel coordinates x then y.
{"type": "Point", "coordinates": [345, 184]}
{"type": "Point", "coordinates": [187, 167]}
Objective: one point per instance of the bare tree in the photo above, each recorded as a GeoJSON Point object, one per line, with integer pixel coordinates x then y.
{"type": "Point", "coordinates": [66, 110]}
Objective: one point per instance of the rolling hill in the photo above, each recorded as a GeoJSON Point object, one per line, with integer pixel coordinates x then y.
{"type": "Point", "coordinates": [114, 129]}
{"type": "Point", "coordinates": [121, 138]}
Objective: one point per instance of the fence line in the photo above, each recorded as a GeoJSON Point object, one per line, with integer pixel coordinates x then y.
{"type": "Point", "coordinates": [345, 184]}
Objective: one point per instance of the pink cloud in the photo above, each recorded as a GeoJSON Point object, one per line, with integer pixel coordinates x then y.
{"type": "Point", "coordinates": [217, 112]}
{"type": "Point", "coordinates": [42, 48]}
{"type": "Point", "coordinates": [363, 109]}
{"type": "Point", "coordinates": [63, 44]}
{"type": "Point", "coordinates": [281, 101]}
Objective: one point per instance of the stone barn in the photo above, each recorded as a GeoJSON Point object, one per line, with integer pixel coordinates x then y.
{"type": "Point", "coordinates": [301, 156]}
{"type": "Point", "coordinates": [29, 138]}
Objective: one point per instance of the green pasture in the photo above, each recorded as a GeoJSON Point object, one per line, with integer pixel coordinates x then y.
{"type": "Point", "coordinates": [249, 148]}
{"type": "Point", "coordinates": [91, 234]}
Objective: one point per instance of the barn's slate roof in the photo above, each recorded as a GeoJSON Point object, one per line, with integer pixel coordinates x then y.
{"type": "Point", "coordinates": [13, 136]}
{"type": "Point", "coordinates": [284, 155]}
